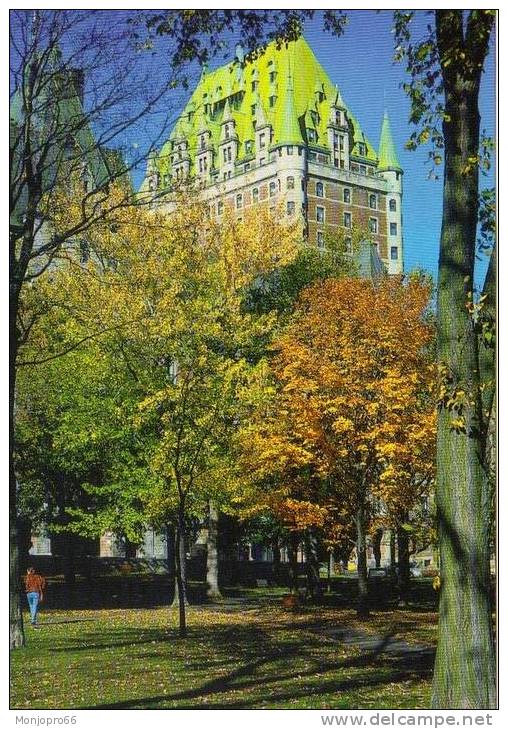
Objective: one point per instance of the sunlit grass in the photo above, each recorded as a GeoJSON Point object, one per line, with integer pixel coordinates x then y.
{"type": "Point", "coordinates": [257, 657]}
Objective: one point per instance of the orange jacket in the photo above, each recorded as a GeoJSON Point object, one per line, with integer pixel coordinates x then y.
{"type": "Point", "coordinates": [35, 583]}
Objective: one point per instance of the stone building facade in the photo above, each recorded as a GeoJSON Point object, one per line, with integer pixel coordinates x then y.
{"type": "Point", "coordinates": [275, 131]}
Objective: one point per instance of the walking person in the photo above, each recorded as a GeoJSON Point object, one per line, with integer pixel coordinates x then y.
{"type": "Point", "coordinates": [34, 586]}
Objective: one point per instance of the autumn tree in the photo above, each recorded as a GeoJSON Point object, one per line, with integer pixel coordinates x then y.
{"type": "Point", "coordinates": [165, 292]}
{"type": "Point", "coordinates": [77, 90]}
{"type": "Point", "coordinates": [445, 70]}
{"type": "Point", "coordinates": [349, 373]}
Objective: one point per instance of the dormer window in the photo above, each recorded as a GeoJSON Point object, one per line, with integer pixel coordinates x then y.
{"type": "Point", "coordinates": [272, 100]}
{"type": "Point", "coordinates": [273, 75]}
{"type": "Point", "coordinates": [248, 146]}
{"type": "Point", "coordinates": [362, 149]}
{"type": "Point", "coordinates": [253, 109]}
{"type": "Point", "coordinates": [254, 85]}
{"type": "Point", "coordinates": [311, 135]}
{"type": "Point", "coordinates": [262, 140]}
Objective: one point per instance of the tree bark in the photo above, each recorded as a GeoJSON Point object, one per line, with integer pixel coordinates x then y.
{"type": "Point", "coordinates": [393, 560]}
{"type": "Point", "coordinates": [376, 546]}
{"type": "Point", "coordinates": [171, 560]}
{"type": "Point", "coordinates": [362, 609]}
{"type": "Point", "coordinates": [276, 559]}
{"type": "Point", "coordinates": [465, 671]}
{"type": "Point", "coordinates": [16, 631]}
{"type": "Point", "coordinates": [314, 590]}
{"type": "Point", "coordinates": [293, 562]}
{"type": "Point", "coordinates": [180, 574]}
{"type": "Point", "coordinates": [403, 576]}
{"type": "Point", "coordinates": [331, 569]}
{"type": "Point", "coordinates": [212, 554]}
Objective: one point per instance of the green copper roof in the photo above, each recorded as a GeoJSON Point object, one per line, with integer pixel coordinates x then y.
{"type": "Point", "coordinates": [388, 159]}
{"type": "Point", "coordinates": [245, 84]}
{"type": "Point", "coordinates": [290, 131]}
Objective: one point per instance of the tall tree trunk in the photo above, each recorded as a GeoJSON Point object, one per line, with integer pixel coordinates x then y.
{"type": "Point", "coordinates": [171, 560]}
{"type": "Point", "coordinates": [376, 546]}
{"type": "Point", "coordinates": [293, 562]}
{"type": "Point", "coordinates": [362, 609]}
{"type": "Point", "coordinates": [276, 559]}
{"type": "Point", "coordinates": [212, 553]}
{"type": "Point", "coordinates": [314, 590]}
{"type": "Point", "coordinates": [465, 671]}
{"type": "Point", "coordinates": [393, 560]}
{"type": "Point", "coordinates": [331, 569]}
{"type": "Point", "coordinates": [16, 631]}
{"type": "Point", "coordinates": [180, 573]}
{"type": "Point", "coordinates": [403, 576]}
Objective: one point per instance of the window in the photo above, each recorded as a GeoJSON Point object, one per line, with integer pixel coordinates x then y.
{"type": "Point", "coordinates": [348, 244]}
{"type": "Point", "coordinates": [248, 146]}
{"type": "Point", "coordinates": [312, 156]}
{"type": "Point", "coordinates": [363, 170]}
{"type": "Point", "coordinates": [347, 220]}
{"type": "Point", "coordinates": [202, 141]}
{"type": "Point", "coordinates": [373, 202]}
{"type": "Point", "coordinates": [262, 140]}
{"type": "Point", "coordinates": [300, 151]}
{"type": "Point", "coordinates": [290, 207]}
{"type": "Point", "coordinates": [289, 150]}
{"type": "Point", "coordinates": [373, 225]}
{"type": "Point", "coordinates": [335, 140]}
{"type": "Point", "coordinates": [272, 101]}
{"type": "Point", "coordinates": [254, 85]}
{"type": "Point", "coordinates": [247, 167]}
{"type": "Point", "coordinates": [394, 253]}
{"type": "Point", "coordinates": [347, 195]}
{"type": "Point", "coordinates": [253, 109]}
{"type": "Point", "coordinates": [290, 183]}
{"type": "Point", "coordinates": [255, 195]}
{"type": "Point", "coordinates": [273, 189]}
{"type": "Point", "coordinates": [320, 239]}
{"type": "Point", "coordinates": [393, 228]}
{"type": "Point", "coordinates": [341, 142]}
{"type": "Point", "coordinates": [311, 135]}
{"type": "Point", "coordinates": [320, 214]}
{"type": "Point", "coordinates": [226, 131]}
{"type": "Point", "coordinates": [239, 200]}
{"type": "Point", "coordinates": [362, 149]}
{"type": "Point", "coordinates": [272, 76]}
{"type": "Point", "coordinates": [320, 190]}
{"type": "Point", "coordinates": [220, 207]}
{"type": "Point", "coordinates": [393, 205]}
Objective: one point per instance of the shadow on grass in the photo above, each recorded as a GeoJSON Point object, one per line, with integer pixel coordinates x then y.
{"type": "Point", "coordinates": [266, 659]}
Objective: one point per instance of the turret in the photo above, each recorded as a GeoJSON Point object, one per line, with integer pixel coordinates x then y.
{"type": "Point", "coordinates": [390, 170]}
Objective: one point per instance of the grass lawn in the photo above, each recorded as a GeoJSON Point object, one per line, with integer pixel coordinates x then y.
{"type": "Point", "coordinates": [255, 655]}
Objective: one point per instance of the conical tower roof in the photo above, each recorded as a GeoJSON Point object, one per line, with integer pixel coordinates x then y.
{"type": "Point", "coordinates": [227, 116]}
{"type": "Point", "coordinates": [290, 132]}
{"type": "Point", "coordinates": [261, 120]}
{"type": "Point", "coordinates": [388, 159]}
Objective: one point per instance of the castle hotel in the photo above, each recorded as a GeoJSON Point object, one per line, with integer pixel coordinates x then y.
{"type": "Point", "coordinates": [275, 130]}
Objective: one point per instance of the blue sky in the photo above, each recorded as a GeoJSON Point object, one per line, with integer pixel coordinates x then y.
{"type": "Point", "coordinates": [361, 63]}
